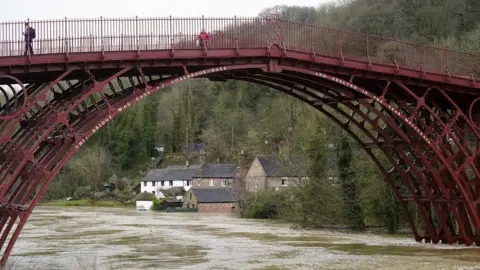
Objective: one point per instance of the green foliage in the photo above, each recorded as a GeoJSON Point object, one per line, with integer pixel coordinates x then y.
{"type": "Point", "coordinates": [353, 211]}
{"type": "Point", "coordinates": [144, 196]}
{"type": "Point", "coordinates": [265, 205]}
{"type": "Point", "coordinates": [157, 203]}
{"type": "Point", "coordinates": [237, 115]}
{"type": "Point", "coordinates": [83, 192]}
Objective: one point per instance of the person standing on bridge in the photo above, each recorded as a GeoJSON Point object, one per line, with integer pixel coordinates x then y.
{"type": "Point", "coordinates": [29, 37]}
{"type": "Point", "coordinates": [203, 38]}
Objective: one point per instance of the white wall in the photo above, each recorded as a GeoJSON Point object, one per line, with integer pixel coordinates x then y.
{"type": "Point", "coordinates": [144, 205]}
{"type": "Point", "coordinates": [151, 188]}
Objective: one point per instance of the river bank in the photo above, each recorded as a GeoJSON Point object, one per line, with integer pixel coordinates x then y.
{"type": "Point", "coordinates": [87, 202]}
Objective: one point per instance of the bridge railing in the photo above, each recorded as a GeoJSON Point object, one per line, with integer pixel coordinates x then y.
{"type": "Point", "coordinates": [128, 34]}
{"type": "Point", "coordinates": [72, 35]}
{"type": "Point", "coordinates": [379, 50]}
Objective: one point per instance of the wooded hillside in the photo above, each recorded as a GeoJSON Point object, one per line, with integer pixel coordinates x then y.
{"type": "Point", "coordinates": [233, 116]}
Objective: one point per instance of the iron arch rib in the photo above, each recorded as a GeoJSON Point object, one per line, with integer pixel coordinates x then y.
{"type": "Point", "coordinates": [38, 159]}
{"type": "Point", "coordinates": [431, 233]}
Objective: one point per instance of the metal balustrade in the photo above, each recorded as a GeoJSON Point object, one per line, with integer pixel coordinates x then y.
{"type": "Point", "coordinates": [131, 34]}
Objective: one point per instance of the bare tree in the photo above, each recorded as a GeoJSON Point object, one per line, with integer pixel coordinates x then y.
{"type": "Point", "coordinates": [93, 164]}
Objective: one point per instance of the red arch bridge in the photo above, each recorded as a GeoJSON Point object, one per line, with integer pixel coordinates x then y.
{"type": "Point", "coordinates": [414, 109]}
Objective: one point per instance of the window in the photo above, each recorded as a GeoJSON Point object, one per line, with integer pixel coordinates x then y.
{"type": "Point", "coordinates": [162, 183]}
{"type": "Point", "coordinates": [305, 180]}
{"type": "Point", "coordinates": [170, 183]}
{"type": "Point", "coordinates": [193, 205]}
{"type": "Point", "coordinates": [153, 183]}
{"type": "Point", "coordinates": [190, 195]}
{"type": "Point", "coordinates": [188, 183]}
{"type": "Point", "coordinates": [224, 182]}
{"type": "Point", "coordinates": [333, 181]}
{"type": "Point", "coordinates": [284, 181]}
{"type": "Point", "coordinates": [153, 192]}
{"type": "Point", "coordinates": [144, 183]}
{"type": "Point", "coordinates": [198, 182]}
{"type": "Point", "coordinates": [256, 183]}
{"type": "Point", "coordinates": [210, 183]}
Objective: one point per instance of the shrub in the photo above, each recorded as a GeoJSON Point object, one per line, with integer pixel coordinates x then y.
{"type": "Point", "coordinates": [265, 205]}
{"type": "Point", "coordinates": [157, 204]}
{"type": "Point", "coordinates": [144, 196]}
{"type": "Point", "coordinates": [82, 192]}
{"type": "Point", "coordinates": [121, 184]}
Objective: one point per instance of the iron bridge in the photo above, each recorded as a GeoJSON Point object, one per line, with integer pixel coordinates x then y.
{"type": "Point", "coordinates": [414, 109]}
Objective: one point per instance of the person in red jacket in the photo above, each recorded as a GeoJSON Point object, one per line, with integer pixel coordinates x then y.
{"type": "Point", "coordinates": [203, 38]}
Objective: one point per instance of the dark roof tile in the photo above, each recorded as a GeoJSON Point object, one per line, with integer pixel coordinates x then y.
{"type": "Point", "coordinates": [213, 195]}
{"type": "Point", "coordinates": [216, 170]}
{"type": "Point", "coordinates": [293, 166]}
{"type": "Point", "coordinates": [166, 175]}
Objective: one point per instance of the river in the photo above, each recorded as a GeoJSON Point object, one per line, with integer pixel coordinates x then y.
{"type": "Point", "coordinates": [115, 238]}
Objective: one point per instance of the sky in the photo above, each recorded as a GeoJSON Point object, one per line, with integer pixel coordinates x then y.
{"type": "Point", "coordinates": [19, 10]}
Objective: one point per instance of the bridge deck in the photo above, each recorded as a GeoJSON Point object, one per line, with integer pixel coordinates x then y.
{"type": "Point", "coordinates": [74, 36]}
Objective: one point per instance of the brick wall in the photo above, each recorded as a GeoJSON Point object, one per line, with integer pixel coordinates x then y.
{"type": "Point", "coordinates": [217, 207]}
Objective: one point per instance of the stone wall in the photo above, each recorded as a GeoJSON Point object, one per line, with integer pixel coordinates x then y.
{"type": "Point", "coordinates": [217, 207]}
{"type": "Point", "coordinates": [275, 183]}
{"type": "Point", "coordinates": [255, 178]}
{"type": "Point", "coordinates": [205, 183]}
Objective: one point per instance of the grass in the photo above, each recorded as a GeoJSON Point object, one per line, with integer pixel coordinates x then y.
{"type": "Point", "coordinates": [85, 203]}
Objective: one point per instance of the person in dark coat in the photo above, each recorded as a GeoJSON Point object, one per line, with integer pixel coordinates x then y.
{"type": "Point", "coordinates": [29, 36]}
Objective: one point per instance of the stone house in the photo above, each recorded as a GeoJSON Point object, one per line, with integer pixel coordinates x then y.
{"type": "Point", "coordinates": [271, 173]}
{"type": "Point", "coordinates": [161, 179]}
{"type": "Point", "coordinates": [211, 199]}
{"type": "Point", "coordinates": [215, 175]}
{"type": "Point", "coordinates": [210, 175]}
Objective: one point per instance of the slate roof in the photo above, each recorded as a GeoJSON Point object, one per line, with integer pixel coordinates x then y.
{"type": "Point", "coordinates": [293, 166]}
{"type": "Point", "coordinates": [167, 174]}
{"type": "Point", "coordinates": [216, 170]}
{"type": "Point", "coordinates": [214, 195]}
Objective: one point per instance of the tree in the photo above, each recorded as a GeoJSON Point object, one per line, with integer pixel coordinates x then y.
{"type": "Point", "coordinates": [353, 210]}
{"type": "Point", "coordinates": [93, 164]}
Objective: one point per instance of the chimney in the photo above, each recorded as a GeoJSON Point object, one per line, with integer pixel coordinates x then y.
{"type": "Point", "coordinates": [201, 157]}
{"type": "Point", "coordinates": [284, 149]}
{"type": "Point", "coordinates": [239, 183]}
{"type": "Point", "coordinates": [241, 160]}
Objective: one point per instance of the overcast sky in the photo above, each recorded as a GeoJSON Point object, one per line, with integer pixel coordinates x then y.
{"type": "Point", "coordinates": [13, 10]}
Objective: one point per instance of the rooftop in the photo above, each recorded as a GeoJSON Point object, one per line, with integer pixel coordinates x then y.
{"type": "Point", "coordinates": [292, 166]}
{"type": "Point", "coordinates": [214, 195]}
{"type": "Point", "coordinates": [216, 170]}
{"type": "Point", "coordinates": [168, 174]}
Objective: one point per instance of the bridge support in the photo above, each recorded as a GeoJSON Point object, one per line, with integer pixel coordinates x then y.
{"type": "Point", "coordinates": [420, 138]}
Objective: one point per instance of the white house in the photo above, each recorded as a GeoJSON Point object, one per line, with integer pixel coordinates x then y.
{"type": "Point", "coordinates": [161, 179]}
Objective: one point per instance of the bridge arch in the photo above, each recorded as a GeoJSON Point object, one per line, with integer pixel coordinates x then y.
{"type": "Point", "coordinates": [374, 118]}
{"type": "Point", "coordinates": [409, 113]}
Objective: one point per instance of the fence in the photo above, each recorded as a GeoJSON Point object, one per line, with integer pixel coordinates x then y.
{"type": "Point", "coordinates": [127, 34]}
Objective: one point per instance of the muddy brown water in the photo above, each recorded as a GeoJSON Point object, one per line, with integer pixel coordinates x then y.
{"type": "Point", "coordinates": [114, 238]}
